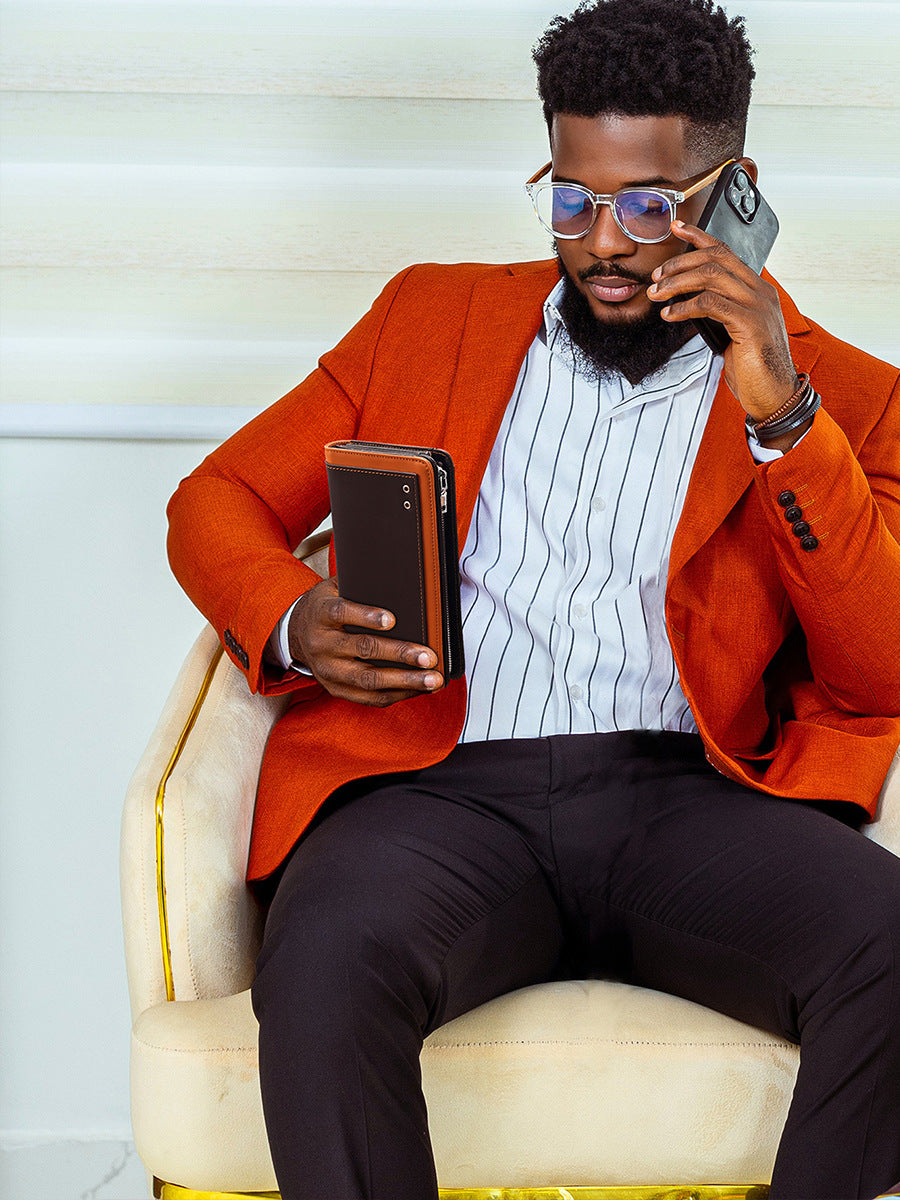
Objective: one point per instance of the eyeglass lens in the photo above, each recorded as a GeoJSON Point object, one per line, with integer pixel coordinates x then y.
{"type": "Point", "coordinates": [568, 211]}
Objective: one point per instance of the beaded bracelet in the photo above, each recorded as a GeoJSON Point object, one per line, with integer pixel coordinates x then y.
{"type": "Point", "coordinates": [797, 394]}
{"type": "Point", "coordinates": [806, 407]}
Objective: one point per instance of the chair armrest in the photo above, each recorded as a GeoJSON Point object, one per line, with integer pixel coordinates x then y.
{"type": "Point", "coordinates": [885, 829]}
{"type": "Point", "coordinates": [206, 815]}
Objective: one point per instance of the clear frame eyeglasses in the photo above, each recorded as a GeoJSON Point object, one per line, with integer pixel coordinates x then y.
{"type": "Point", "coordinates": [568, 210]}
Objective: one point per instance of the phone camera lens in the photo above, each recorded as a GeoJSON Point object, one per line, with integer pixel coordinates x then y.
{"type": "Point", "coordinates": [748, 203]}
{"type": "Point", "coordinates": [740, 180]}
{"type": "Point", "coordinates": [734, 196]}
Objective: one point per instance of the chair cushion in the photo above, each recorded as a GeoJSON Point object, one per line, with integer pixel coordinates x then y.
{"type": "Point", "coordinates": [578, 1083]}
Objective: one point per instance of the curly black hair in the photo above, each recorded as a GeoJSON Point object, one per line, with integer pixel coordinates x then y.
{"type": "Point", "coordinates": [651, 58]}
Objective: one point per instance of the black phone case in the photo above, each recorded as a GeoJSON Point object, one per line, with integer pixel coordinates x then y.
{"type": "Point", "coordinates": [737, 214]}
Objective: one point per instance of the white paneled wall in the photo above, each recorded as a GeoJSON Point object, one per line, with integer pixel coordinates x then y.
{"type": "Point", "coordinates": [197, 199]}
{"type": "Point", "coordinates": [200, 197]}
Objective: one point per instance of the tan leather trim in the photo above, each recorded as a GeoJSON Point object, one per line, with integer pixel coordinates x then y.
{"type": "Point", "coordinates": [180, 743]}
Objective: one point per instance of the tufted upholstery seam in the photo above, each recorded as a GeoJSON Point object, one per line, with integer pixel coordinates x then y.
{"type": "Point", "coordinates": [594, 1042]}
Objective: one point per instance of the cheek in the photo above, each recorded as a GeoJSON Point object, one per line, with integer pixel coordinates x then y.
{"type": "Point", "coordinates": [662, 252]}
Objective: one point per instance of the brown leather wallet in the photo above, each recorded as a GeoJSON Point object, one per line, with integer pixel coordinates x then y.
{"type": "Point", "coordinates": [393, 510]}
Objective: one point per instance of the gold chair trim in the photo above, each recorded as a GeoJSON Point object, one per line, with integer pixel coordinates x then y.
{"type": "Point", "coordinates": [705, 1191]}
{"type": "Point", "coordinates": [160, 849]}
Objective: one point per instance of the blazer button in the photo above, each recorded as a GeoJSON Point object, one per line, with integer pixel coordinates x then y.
{"type": "Point", "coordinates": [801, 529]}
{"type": "Point", "coordinates": [786, 499]}
{"type": "Point", "coordinates": [793, 513]}
{"type": "Point", "coordinates": [809, 542]}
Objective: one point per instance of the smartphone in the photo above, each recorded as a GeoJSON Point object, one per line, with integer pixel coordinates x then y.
{"type": "Point", "coordinates": [737, 213]}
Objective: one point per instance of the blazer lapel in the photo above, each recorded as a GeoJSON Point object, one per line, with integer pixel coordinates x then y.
{"type": "Point", "coordinates": [504, 316]}
{"type": "Point", "coordinates": [724, 469]}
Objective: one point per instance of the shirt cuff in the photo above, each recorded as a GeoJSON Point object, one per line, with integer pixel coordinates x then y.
{"type": "Point", "coordinates": [279, 646]}
{"type": "Point", "coordinates": [763, 453]}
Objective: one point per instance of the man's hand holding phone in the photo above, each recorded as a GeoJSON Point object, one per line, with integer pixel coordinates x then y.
{"type": "Point", "coordinates": [758, 365]}
{"type": "Point", "coordinates": [317, 637]}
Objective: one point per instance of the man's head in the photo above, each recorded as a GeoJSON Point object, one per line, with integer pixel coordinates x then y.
{"type": "Point", "coordinates": [637, 92]}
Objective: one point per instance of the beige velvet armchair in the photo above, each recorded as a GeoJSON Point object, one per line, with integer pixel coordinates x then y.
{"type": "Point", "coordinates": [572, 1089]}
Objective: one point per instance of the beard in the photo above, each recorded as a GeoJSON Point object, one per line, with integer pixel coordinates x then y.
{"type": "Point", "coordinates": [635, 347]}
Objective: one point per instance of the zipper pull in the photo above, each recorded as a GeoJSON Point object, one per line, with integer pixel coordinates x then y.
{"type": "Point", "coordinates": [444, 487]}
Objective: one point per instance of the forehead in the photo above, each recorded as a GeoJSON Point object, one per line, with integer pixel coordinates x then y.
{"type": "Point", "coordinates": [610, 151]}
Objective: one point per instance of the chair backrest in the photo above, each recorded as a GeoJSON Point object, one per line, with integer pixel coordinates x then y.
{"type": "Point", "coordinates": [193, 815]}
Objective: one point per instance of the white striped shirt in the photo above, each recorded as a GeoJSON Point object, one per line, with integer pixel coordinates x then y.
{"type": "Point", "coordinates": [564, 567]}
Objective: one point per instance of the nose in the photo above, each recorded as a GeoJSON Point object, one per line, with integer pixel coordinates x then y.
{"type": "Point", "coordinates": [605, 239]}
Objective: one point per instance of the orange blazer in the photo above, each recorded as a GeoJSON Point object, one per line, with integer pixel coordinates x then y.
{"type": "Point", "coordinates": [790, 659]}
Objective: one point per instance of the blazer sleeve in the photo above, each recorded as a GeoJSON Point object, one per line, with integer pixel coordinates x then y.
{"type": "Point", "coordinates": [233, 522]}
{"type": "Point", "coordinates": [845, 590]}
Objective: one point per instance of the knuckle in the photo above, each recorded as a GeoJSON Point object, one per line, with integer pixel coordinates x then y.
{"type": "Point", "coordinates": [708, 302]}
{"type": "Point", "coordinates": [335, 610]}
{"type": "Point", "coordinates": [366, 646]}
{"type": "Point", "coordinates": [369, 680]}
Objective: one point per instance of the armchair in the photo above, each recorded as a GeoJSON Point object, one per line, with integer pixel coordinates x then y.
{"type": "Point", "coordinates": [582, 1089]}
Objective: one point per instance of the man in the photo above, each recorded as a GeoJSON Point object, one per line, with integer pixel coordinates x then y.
{"type": "Point", "coordinates": [681, 594]}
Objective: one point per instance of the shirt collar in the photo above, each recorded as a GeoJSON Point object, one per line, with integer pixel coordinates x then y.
{"type": "Point", "coordinates": [682, 368]}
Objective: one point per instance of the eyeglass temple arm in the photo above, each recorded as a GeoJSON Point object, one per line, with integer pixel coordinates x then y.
{"type": "Point", "coordinates": [707, 178]}
{"type": "Point", "coordinates": [695, 187]}
{"type": "Point", "coordinates": [539, 174]}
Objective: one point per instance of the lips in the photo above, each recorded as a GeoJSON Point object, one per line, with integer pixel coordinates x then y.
{"type": "Point", "coordinates": [613, 289]}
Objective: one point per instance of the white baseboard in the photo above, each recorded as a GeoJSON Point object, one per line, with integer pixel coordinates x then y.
{"type": "Point", "coordinates": [46, 1166]}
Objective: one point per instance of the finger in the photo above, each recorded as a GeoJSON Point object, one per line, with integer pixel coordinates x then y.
{"type": "Point", "coordinates": [710, 251]}
{"type": "Point", "coordinates": [735, 317]}
{"type": "Point", "coordinates": [705, 276]}
{"type": "Point", "coordinates": [365, 683]}
{"type": "Point", "coordinates": [369, 645]}
{"type": "Point", "coordinates": [694, 236]}
{"type": "Point", "coordinates": [338, 612]}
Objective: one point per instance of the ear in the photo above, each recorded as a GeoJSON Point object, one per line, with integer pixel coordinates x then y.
{"type": "Point", "coordinates": [751, 168]}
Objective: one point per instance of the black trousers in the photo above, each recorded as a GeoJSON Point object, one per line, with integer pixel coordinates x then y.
{"type": "Point", "coordinates": [419, 896]}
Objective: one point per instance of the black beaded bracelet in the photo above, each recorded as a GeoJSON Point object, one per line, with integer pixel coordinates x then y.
{"type": "Point", "coordinates": [806, 407]}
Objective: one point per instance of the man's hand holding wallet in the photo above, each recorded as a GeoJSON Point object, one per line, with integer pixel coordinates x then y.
{"type": "Point", "coordinates": [394, 517]}
{"type": "Point", "coordinates": [340, 660]}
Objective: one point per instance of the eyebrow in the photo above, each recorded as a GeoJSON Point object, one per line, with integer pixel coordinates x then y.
{"type": "Point", "coordinates": [656, 181]}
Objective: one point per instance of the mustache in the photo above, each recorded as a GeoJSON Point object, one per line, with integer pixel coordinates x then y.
{"type": "Point", "coordinates": [603, 270]}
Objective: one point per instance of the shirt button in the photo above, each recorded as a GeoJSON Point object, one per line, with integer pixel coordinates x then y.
{"type": "Point", "coordinates": [809, 542]}
{"type": "Point", "coordinates": [580, 611]}
{"type": "Point", "coordinates": [575, 692]}
{"type": "Point", "coordinates": [786, 499]}
{"type": "Point", "coordinates": [793, 513]}
{"type": "Point", "coordinates": [598, 504]}
{"type": "Point", "coordinates": [800, 528]}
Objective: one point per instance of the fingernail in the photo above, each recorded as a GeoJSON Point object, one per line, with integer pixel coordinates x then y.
{"type": "Point", "coordinates": [665, 311]}
{"type": "Point", "coordinates": [431, 681]}
{"type": "Point", "coordinates": [652, 289]}
{"type": "Point", "coordinates": [425, 659]}
{"type": "Point", "coordinates": [678, 224]}
{"type": "Point", "coordinates": [657, 274]}
{"type": "Point", "coordinates": [384, 620]}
